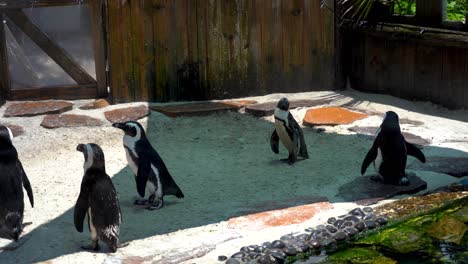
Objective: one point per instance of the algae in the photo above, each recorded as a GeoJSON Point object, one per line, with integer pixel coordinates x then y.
{"type": "Point", "coordinates": [359, 256]}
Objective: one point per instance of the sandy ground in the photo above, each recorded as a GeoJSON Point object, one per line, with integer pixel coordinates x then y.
{"type": "Point", "coordinates": [223, 164]}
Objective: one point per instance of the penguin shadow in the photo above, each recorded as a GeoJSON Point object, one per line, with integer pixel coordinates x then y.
{"type": "Point", "coordinates": [217, 181]}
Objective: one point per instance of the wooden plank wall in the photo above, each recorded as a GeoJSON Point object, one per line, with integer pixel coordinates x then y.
{"type": "Point", "coordinates": [409, 69]}
{"type": "Point", "coordinates": [165, 50]}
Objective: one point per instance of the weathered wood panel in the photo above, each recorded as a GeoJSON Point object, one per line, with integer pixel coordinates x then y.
{"type": "Point", "coordinates": [4, 75]}
{"type": "Point", "coordinates": [409, 69]}
{"type": "Point", "coordinates": [165, 50]}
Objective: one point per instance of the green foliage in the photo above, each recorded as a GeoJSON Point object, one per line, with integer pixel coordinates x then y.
{"type": "Point", "coordinates": [405, 7]}
{"type": "Point", "coordinates": [456, 9]}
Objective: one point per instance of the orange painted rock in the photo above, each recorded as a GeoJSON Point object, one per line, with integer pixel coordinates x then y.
{"type": "Point", "coordinates": [283, 217]}
{"type": "Point", "coordinates": [331, 116]}
{"type": "Point", "coordinates": [100, 103]}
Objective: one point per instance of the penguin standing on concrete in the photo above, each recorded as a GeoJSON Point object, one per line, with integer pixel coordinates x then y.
{"type": "Point", "coordinates": [12, 180]}
{"type": "Point", "coordinates": [98, 199]}
{"type": "Point", "coordinates": [289, 132]}
{"type": "Point", "coordinates": [389, 152]}
{"type": "Point", "coordinates": [150, 171]}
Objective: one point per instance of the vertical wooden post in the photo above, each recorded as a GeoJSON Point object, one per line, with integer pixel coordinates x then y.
{"type": "Point", "coordinates": [4, 75]}
{"type": "Point", "coordinates": [97, 19]}
{"type": "Point", "coordinates": [431, 12]}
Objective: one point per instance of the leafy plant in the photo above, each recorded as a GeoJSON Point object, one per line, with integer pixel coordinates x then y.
{"type": "Point", "coordinates": [359, 10]}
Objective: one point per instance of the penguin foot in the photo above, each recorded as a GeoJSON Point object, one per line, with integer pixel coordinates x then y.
{"type": "Point", "coordinates": [91, 247]}
{"type": "Point", "coordinates": [404, 181]}
{"type": "Point", "coordinates": [140, 202]}
{"type": "Point", "coordinates": [155, 206]}
{"type": "Point", "coordinates": [377, 178]}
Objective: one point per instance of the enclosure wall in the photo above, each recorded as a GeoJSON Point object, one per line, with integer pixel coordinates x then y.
{"type": "Point", "coordinates": [419, 67]}
{"type": "Point", "coordinates": [164, 50]}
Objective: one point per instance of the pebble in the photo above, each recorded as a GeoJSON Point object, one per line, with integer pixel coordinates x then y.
{"type": "Point", "coordinates": [331, 220]}
{"type": "Point", "coordinates": [277, 244]}
{"type": "Point", "coordinates": [342, 216]}
{"type": "Point", "coordinates": [331, 229]}
{"type": "Point", "coordinates": [287, 237]}
{"type": "Point", "coordinates": [222, 258]}
{"type": "Point", "coordinates": [266, 259]}
{"type": "Point", "coordinates": [259, 249]}
{"type": "Point", "coordinates": [310, 230]}
{"type": "Point", "coordinates": [370, 224]}
{"type": "Point", "coordinates": [239, 255]}
{"type": "Point", "coordinates": [338, 223]}
{"type": "Point", "coordinates": [232, 261]}
{"type": "Point", "coordinates": [321, 227]}
{"type": "Point", "coordinates": [351, 231]}
{"type": "Point", "coordinates": [326, 234]}
{"type": "Point", "coordinates": [254, 255]}
{"type": "Point", "coordinates": [303, 237]}
{"type": "Point", "coordinates": [315, 234]}
{"type": "Point", "coordinates": [348, 223]}
{"type": "Point", "coordinates": [245, 249]}
{"type": "Point", "coordinates": [340, 236]}
{"type": "Point", "coordinates": [279, 255]}
{"type": "Point", "coordinates": [357, 211]}
{"type": "Point", "coordinates": [360, 226]}
{"type": "Point", "coordinates": [368, 209]}
{"type": "Point", "coordinates": [266, 244]}
{"type": "Point", "coordinates": [351, 218]}
{"type": "Point", "coordinates": [315, 244]}
{"type": "Point", "coordinates": [369, 217]}
{"type": "Point", "coordinates": [290, 251]}
{"type": "Point", "coordinates": [381, 221]}
{"type": "Point", "coordinates": [301, 247]}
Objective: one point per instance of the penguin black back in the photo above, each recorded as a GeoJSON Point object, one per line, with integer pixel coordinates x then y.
{"type": "Point", "coordinates": [97, 199]}
{"type": "Point", "coordinates": [12, 180]}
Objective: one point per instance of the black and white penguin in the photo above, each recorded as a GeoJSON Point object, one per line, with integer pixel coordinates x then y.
{"type": "Point", "coordinates": [289, 132]}
{"type": "Point", "coordinates": [98, 199]}
{"type": "Point", "coordinates": [389, 152]}
{"type": "Point", "coordinates": [12, 180]}
{"type": "Point", "coordinates": [150, 171]}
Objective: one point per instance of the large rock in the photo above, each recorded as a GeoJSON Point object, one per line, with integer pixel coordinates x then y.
{"type": "Point", "coordinates": [370, 131]}
{"type": "Point", "coordinates": [196, 109]}
{"type": "Point", "coordinates": [69, 120]}
{"type": "Point", "coordinates": [15, 129]}
{"type": "Point", "coordinates": [454, 166]}
{"type": "Point", "coordinates": [366, 191]}
{"type": "Point", "coordinates": [37, 108]}
{"type": "Point", "coordinates": [266, 109]}
{"type": "Point", "coordinates": [331, 116]}
{"type": "Point", "coordinates": [127, 114]}
{"type": "Point", "coordinates": [448, 229]}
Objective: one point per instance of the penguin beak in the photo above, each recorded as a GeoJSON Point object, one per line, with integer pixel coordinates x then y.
{"type": "Point", "coordinates": [80, 147]}
{"type": "Point", "coordinates": [119, 125]}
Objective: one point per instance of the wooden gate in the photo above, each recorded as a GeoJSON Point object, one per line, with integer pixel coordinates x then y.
{"type": "Point", "coordinates": [86, 86]}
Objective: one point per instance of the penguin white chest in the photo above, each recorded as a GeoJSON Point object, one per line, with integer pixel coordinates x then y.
{"type": "Point", "coordinates": [129, 143]}
{"type": "Point", "coordinates": [378, 161]}
{"type": "Point", "coordinates": [283, 135]}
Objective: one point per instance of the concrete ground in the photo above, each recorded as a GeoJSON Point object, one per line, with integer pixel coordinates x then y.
{"type": "Point", "coordinates": [224, 165]}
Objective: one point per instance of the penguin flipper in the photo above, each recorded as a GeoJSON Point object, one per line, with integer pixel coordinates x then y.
{"type": "Point", "coordinates": [371, 156]}
{"type": "Point", "coordinates": [26, 183]}
{"type": "Point", "coordinates": [412, 150]}
{"type": "Point", "coordinates": [274, 142]}
{"type": "Point", "coordinates": [144, 170]}
{"type": "Point", "coordinates": [296, 129]}
{"type": "Point", "coordinates": [81, 208]}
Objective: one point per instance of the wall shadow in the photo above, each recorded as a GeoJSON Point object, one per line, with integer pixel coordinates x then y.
{"type": "Point", "coordinates": [224, 166]}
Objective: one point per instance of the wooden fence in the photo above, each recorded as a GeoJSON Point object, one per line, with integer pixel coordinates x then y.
{"type": "Point", "coordinates": [421, 66]}
{"type": "Point", "coordinates": [166, 50]}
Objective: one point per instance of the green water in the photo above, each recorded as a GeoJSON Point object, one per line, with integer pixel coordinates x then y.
{"type": "Point", "coordinates": [436, 237]}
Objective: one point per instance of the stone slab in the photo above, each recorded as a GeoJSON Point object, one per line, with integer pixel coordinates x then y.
{"type": "Point", "coordinates": [69, 120]}
{"type": "Point", "coordinates": [15, 129]}
{"type": "Point", "coordinates": [281, 204]}
{"type": "Point", "coordinates": [37, 108]}
{"type": "Point", "coordinates": [266, 109]}
{"type": "Point", "coordinates": [366, 191]}
{"type": "Point", "coordinates": [331, 116]}
{"type": "Point", "coordinates": [98, 104]}
{"type": "Point", "coordinates": [196, 109]}
{"type": "Point", "coordinates": [454, 166]}
{"type": "Point", "coordinates": [283, 217]}
{"type": "Point", "coordinates": [370, 131]}
{"type": "Point", "coordinates": [127, 114]}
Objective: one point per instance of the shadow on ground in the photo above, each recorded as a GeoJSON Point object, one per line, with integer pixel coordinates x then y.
{"type": "Point", "coordinates": [224, 165]}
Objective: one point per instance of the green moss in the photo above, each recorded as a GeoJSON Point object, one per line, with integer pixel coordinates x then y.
{"type": "Point", "coordinates": [359, 256]}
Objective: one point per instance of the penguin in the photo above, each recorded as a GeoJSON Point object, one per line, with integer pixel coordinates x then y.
{"type": "Point", "coordinates": [97, 199]}
{"type": "Point", "coordinates": [389, 152]}
{"type": "Point", "coordinates": [12, 180]}
{"type": "Point", "coordinates": [151, 174]}
{"type": "Point", "coordinates": [289, 132]}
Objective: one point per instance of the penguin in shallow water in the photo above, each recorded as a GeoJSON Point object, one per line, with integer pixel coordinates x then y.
{"type": "Point", "coordinates": [151, 174]}
{"type": "Point", "coordinates": [389, 152]}
{"type": "Point", "coordinates": [289, 132]}
{"type": "Point", "coordinates": [98, 199]}
{"type": "Point", "coordinates": [12, 180]}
